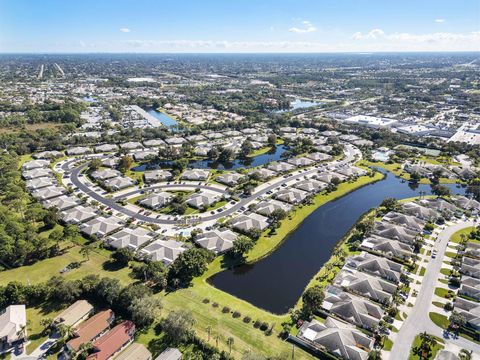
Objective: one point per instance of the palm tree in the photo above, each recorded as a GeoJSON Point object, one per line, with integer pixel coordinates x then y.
{"type": "Point", "coordinates": [427, 342]}
{"type": "Point", "coordinates": [230, 342]}
{"type": "Point", "coordinates": [465, 354]}
{"type": "Point", "coordinates": [217, 337]}
{"type": "Point", "coordinates": [22, 332]}
{"type": "Point", "coordinates": [85, 251]}
{"type": "Point", "coordinates": [66, 331]}
{"type": "Point", "coordinates": [84, 350]}
{"type": "Point", "coordinates": [374, 355]}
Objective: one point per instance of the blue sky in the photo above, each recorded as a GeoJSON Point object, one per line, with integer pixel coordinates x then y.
{"type": "Point", "coordinates": [239, 26]}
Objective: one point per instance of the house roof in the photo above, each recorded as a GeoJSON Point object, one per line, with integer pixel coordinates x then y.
{"type": "Point", "coordinates": [78, 214]}
{"type": "Point", "coordinates": [101, 226]}
{"type": "Point", "coordinates": [135, 351]}
{"type": "Point", "coordinates": [266, 207]}
{"type": "Point", "coordinates": [157, 175]}
{"type": "Point", "coordinates": [74, 313]}
{"type": "Point", "coordinates": [408, 221]}
{"type": "Point", "coordinates": [379, 266]}
{"type": "Point", "coordinates": [395, 232]}
{"type": "Point", "coordinates": [291, 195]}
{"type": "Point", "coordinates": [91, 329]}
{"type": "Point", "coordinates": [113, 341]}
{"type": "Point", "coordinates": [388, 247]}
{"type": "Point", "coordinates": [129, 238]}
{"type": "Point", "coordinates": [12, 319]}
{"type": "Point", "coordinates": [249, 221]}
{"type": "Point", "coordinates": [156, 200]}
{"type": "Point", "coordinates": [163, 250]}
{"type": "Point", "coordinates": [217, 240]}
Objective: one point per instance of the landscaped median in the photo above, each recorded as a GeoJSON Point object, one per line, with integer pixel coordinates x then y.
{"type": "Point", "coordinates": [238, 321]}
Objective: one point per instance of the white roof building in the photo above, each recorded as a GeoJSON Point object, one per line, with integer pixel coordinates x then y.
{"type": "Point", "coordinates": [12, 320]}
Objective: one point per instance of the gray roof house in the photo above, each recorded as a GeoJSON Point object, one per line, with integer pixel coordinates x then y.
{"type": "Point", "coordinates": [63, 202]}
{"type": "Point", "coordinates": [446, 355]}
{"type": "Point", "coordinates": [165, 251]}
{"type": "Point", "coordinates": [291, 195]}
{"type": "Point", "coordinates": [280, 166]}
{"type": "Point", "coordinates": [407, 221]}
{"type": "Point", "coordinates": [466, 203]}
{"type": "Point", "coordinates": [170, 354]}
{"type": "Point", "coordinates": [217, 240]}
{"type": "Point", "coordinates": [131, 145]}
{"type": "Point", "coordinates": [195, 174]}
{"type": "Point", "coordinates": [470, 287]}
{"type": "Point", "coordinates": [143, 155]}
{"type": "Point", "coordinates": [351, 171]}
{"type": "Point", "coordinates": [311, 185]}
{"type": "Point", "coordinates": [439, 205]}
{"type": "Point", "coordinates": [12, 320]}
{"type": "Point", "coordinates": [48, 155]}
{"type": "Point", "coordinates": [336, 337]}
{"type": "Point", "coordinates": [318, 156]}
{"type": "Point", "coordinates": [105, 174]}
{"type": "Point", "coordinates": [327, 177]}
{"type": "Point", "coordinates": [156, 175]}
{"type": "Point", "coordinates": [387, 247]}
{"type": "Point", "coordinates": [469, 309]}
{"type": "Point", "coordinates": [111, 162]}
{"type": "Point", "coordinates": [419, 211]}
{"type": "Point", "coordinates": [263, 173]}
{"type": "Point", "coordinates": [101, 226]}
{"type": "Point", "coordinates": [470, 267]}
{"type": "Point", "coordinates": [39, 183]}
{"type": "Point", "coordinates": [129, 238]}
{"type": "Point", "coordinates": [78, 214]}
{"type": "Point", "coordinates": [375, 265]}
{"type": "Point", "coordinates": [175, 140]}
{"type": "Point", "coordinates": [48, 192]}
{"type": "Point", "coordinates": [230, 178]}
{"type": "Point", "coordinates": [118, 183]}
{"type": "Point", "coordinates": [251, 221]}
{"type": "Point", "coordinates": [352, 308]}
{"type": "Point", "coordinates": [472, 250]}
{"type": "Point", "coordinates": [106, 148]}
{"type": "Point", "coordinates": [78, 150]}
{"type": "Point", "coordinates": [395, 232]}
{"type": "Point", "coordinates": [35, 164]}
{"type": "Point", "coordinates": [156, 200]}
{"type": "Point", "coordinates": [363, 284]}
{"type": "Point", "coordinates": [267, 207]}
{"type": "Point", "coordinates": [203, 199]}
{"type": "Point", "coordinates": [154, 143]}
{"type": "Point", "coordinates": [300, 161]}
{"type": "Point", "coordinates": [37, 173]}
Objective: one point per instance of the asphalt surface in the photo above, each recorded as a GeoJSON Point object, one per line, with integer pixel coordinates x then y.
{"type": "Point", "coordinates": [350, 153]}
{"type": "Point", "coordinates": [418, 320]}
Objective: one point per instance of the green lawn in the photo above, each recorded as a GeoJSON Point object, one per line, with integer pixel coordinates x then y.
{"type": "Point", "coordinates": [439, 320]}
{"type": "Point", "coordinates": [416, 343]}
{"type": "Point", "coordinates": [422, 271]}
{"type": "Point", "coordinates": [34, 328]}
{"type": "Point", "coordinates": [441, 292]}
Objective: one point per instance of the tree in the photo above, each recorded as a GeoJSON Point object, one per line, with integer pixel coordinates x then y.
{"type": "Point", "coordinates": [441, 190]}
{"type": "Point", "coordinates": [125, 163]}
{"type": "Point", "coordinates": [95, 164]}
{"type": "Point", "coordinates": [128, 295]}
{"type": "Point", "coordinates": [84, 350]}
{"type": "Point", "coordinates": [278, 215]}
{"type": "Point", "coordinates": [374, 355]}
{"type": "Point", "coordinates": [66, 331]}
{"type": "Point", "coordinates": [154, 272]}
{"type": "Point", "coordinates": [230, 342]}
{"type": "Point", "coordinates": [145, 310]}
{"type": "Point", "coordinates": [192, 262]}
{"type": "Point", "coordinates": [312, 299]}
{"type": "Point", "coordinates": [242, 245]}
{"type": "Point", "coordinates": [390, 204]}
{"type": "Point", "coordinates": [85, 251]}
{"type": "Point", "coordinates": [272, 140]}
{"type": "Point", "coordinates": [464, 354]}
{"type": "Point", "coordinates": [122, 256]}
{"type": "Point", "coordinates": [246, 148]}
{"type": "Point", "coordinates": [51, 218]}
{"type": "Point", "coordinates": [108, 290]}
{"type": "Point", "coordinates": [457, 319]}
{"type": "Point", "coordinates": [178, 326]}
{"type": "Point", "coordinates": [427, 341]}
{"type": "Point", "coordinates": [64, 292]}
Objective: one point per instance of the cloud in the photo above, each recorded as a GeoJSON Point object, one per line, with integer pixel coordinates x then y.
{"type": "Point", "coordinates": [125, 30]}
{"type": "Point", "coordinates": [373, 34]}
{"type": "Point", "coordinates": [439, 20]}
{"type": "Point", "coordinates": [437, 37]}
{"type": "Point", "coordinates": [308, 27]}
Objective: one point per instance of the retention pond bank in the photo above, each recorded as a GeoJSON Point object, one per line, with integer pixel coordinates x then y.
{"type": "Point", "coordinates": [276, 282]}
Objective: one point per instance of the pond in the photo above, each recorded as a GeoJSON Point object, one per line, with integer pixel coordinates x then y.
{"type": "Point", "coordinates": [163, 118]}
{"type": "Point", "coordinates": [273, 155]}
{"type": "Point", "coordinates": [300, 104]}
{"type": "Point", "coordinates": [276, 282]}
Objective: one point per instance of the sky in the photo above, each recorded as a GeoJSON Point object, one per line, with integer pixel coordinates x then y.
{"type": "Point", "coordinates": [191, 26]}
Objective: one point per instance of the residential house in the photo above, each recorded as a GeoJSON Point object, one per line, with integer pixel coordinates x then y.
{"type": "Point", "coordinates": [318, 156]}
{"type": "Point", "coordinates": [111, 162]}
{"type": "Point", "coordinates": [131, 145]}
{"type": "Point", "coordinates": [337, 338]}
{"type": "Point", "coordinates": [102, 175]}
{"type": "Point", "coordinates": [363, 284]}
{"type": "Point", "coordinates": [144, 155]}
{"type": "Point", "coordinates": [263, 173]}
{"type": "Point", "coordinates": [79, 311]}
{"type": "Point", "coordinates": [91, 329]}
{"type": "Point", "coordinates": [352, 308]}
{"type": "Point", "coordinates": [203, 199]}
{"type": "Point", "coordinates": [389, 248]}
{"type": "Point", "coordinates": [165, 251]}
{"type": "Point", "coordinates": [300, 161]}
{"type": "Point", "coordinates": [351, 171]}
{"type": "Point", "coordinates": [154, 143]}
{"type": "Point", "coordinates": [61, 203]}
{"type": "Point", "coordinates": [48, 155]}
{"type": "Point", "coordinates": [78, 150]}
{"type": "Point", "coordinates": [35, 164]}
{"type": "Point", "coordinates": [112, 342]}
{"type": "Point", "coordinates": [129, 238]}
{"type": "Point", "coordinates": [101, 226]}
{"type": "Point", "coordinates": [280, 166]}
{"type": "Point", "coordinates": [156, 200]}
{"type": "Point", "coordinates": [136, 351]}
{"type": "Point", "coordinates": [470, 287]}
{"type": "Point", "coordinates": [37, 173]}
{"type": "Point", "coordinates": [170, 354]}
{"type": "Point", "coordinates": [217, 240]}
{"type": "Point", "coordinates": [247, 222]}
{"type": "Point", "coordinates": [407, 221]}
{"type": "Point", "coordinates": [105, 148]}
{"type": "Point", "coordinates": [49, 192]}
{"type": "Point", "coordinates": [40, 183]}
{"type": "Point", "coordinates": [311, 185]}
{"type": "Point", "coordinates": [195, 174]}
{"type": "Point", "coordinates": [466, 203]}
{"type": "Point", "coordinates": [156, 175]}
{"type": "Point", "coordinates": [375, 265]}
{"type": "Point", "coordinates": [470, 267]}
{"type": "Point", "coordinates": [472, 250]}
{"type": "Point", "coordinates": [470, 310]}
{"type": "Point", "coordinates": [291, 195]}
{"type": "Point", "coordinates": [395, 232]}
{"type": "Point", "coordinates": [78, 214]}
{"type": "Point", "coordinates": [419, 211]}
{"type": "Point", "coordinates": [267, 207]}
{"type": "Point", "coordinates": [119, 183]}
{"type": "Point", "coordinates": [230, 178]}
{"type": "Point", "coordinates": [327, 177]}
{"type": "Point", "coordinates": [13, 320]}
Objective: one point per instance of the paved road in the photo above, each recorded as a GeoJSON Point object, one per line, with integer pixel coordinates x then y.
{"type": "Point", "coordinates": [419, 321]}
{"type": "Point", "coordinates": [350, 153]}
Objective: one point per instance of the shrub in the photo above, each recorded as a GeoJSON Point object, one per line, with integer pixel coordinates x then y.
{"type": "Point", "coordinates": [215, 305]}
{"type": "Point", "coordinates": [236, 314]}
{"type": "Point", "coordinates": [247, 319]}
{"type": "Point", "coordinates": [226, 309]}
{"type": "Point", "coordinates": [206, 301]}
{"type": "Point", "coordinates": [264, 326]}
{"type": "Point", "coordinates": [257, 324]}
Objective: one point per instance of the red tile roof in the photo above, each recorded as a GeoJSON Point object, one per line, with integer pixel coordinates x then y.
{"type": "Point", "coordinates": [114, 340]}
{"type": "Point", "coordinates": [91, 329]}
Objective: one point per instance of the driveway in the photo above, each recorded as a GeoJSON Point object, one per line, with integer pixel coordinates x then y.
{"type": "Point", "coordinates": [419, 321]}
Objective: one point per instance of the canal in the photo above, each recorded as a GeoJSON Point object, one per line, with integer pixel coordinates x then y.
{"type": "Point", "coordinates": [276, 282]}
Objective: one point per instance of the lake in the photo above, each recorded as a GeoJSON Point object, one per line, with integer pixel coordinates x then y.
{"type": "Point", "coordinates": [273, 155]}
{"type": "Point", "coordinates": [163, 118]}
{"type": "Point", "coordinates": [300, 104]}
{"type": "Point", "coordinates": [276, 282]}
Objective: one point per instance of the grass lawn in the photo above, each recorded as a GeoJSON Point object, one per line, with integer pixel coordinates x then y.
{"type": "Point", "coordinates": [441, 292]}
{"type": "Point", "coordinates": [445, 272]}
{"type": "Point", "coordinates": [439, 320]}
{"type": "Point", "coordinates": [457, 236]}
{"type": "Point", "coordinates": [45, 269]}
{"type": "Point", "coordinates": [34, 328]}
{"type": "Point", "coordinates": [387, 344]}
{"type": "Point", "coordinates": [422, 271]}
{"type": "Point", "coordinates": [433, 352]}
